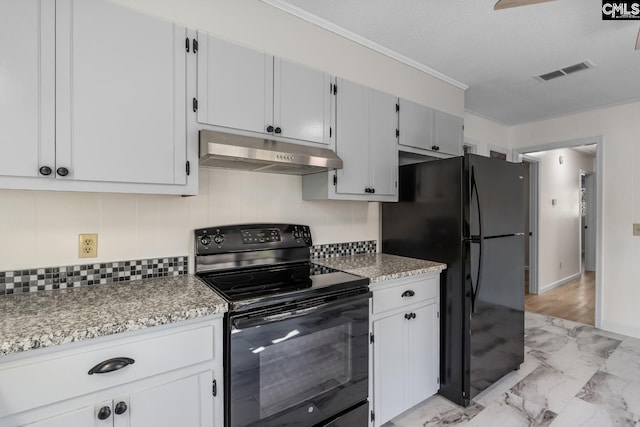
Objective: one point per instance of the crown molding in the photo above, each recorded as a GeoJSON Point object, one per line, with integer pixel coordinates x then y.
{"type": "Point", "coordinates": [330, 26]}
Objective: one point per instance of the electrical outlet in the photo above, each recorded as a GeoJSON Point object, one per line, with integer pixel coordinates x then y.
{"type": "Point", "coordinates": [636, 229]}
{"type": "Point", "coordinates": [87, 245]}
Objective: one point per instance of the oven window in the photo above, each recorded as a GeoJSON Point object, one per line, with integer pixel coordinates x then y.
{"type": "Point", "coordinates": [296, 370]}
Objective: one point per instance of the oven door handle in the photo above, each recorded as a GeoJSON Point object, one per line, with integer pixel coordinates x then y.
{"type": "Point", "coordinates": [248, 322]}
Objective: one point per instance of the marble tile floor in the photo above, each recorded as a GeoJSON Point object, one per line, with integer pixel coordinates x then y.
{"type": "Point", "coordinates": [572, 375]}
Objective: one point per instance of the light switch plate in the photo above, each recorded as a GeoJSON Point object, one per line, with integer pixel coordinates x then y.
{"type": "Point", "coordinates": [636, 229]}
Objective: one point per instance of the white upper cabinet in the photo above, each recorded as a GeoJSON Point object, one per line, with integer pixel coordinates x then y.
{"type": "Point", "coordinates": [93, 99]}
{"type": "Point", "coordinates": [301, 102]}
{"type": "Point", "coordinates": [449, 133]}
{"type": "Point", "coordinates": [425, 128]}
{"type": "Point", "coordinates": [366, 122]}
{"type": "Point", "coordinates": [120, 78]}
{"type": "Point", "coordinates": [27, 86]}
{"type": "Point", "coordinates": [352, 138]}
{"type": "Point", "coordinates": [245, 90]}
{"type": "Point", "coordinates": [416, 125]}
{"type": "Point", "coordinates": [383, 150]}
{"type": "Point", "coordinates": [234, 85]}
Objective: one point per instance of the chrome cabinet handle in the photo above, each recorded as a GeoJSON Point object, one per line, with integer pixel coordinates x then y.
{"type": "Point", "coordinates": [111, 365]}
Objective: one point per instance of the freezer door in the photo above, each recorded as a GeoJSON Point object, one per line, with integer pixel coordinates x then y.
{"type": "Point", "coordinates": [495, 197]}
{"type": "Point", "coordinates": [497, 309]}
{"type": "Point", "coordinates": [426, 222]}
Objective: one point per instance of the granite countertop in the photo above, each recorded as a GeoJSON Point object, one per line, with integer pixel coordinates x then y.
{"type": "Point", "coordinates": [381, 267]}
{"type": "Point", "coordinates": [47, 318]}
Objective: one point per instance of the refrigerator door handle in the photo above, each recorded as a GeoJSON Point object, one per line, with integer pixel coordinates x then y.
{"type": "Point", "coordinates": [480, 240]}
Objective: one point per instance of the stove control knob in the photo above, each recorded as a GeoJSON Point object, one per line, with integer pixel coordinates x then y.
{"type": "Point", "coordinates": [205, 240]}
{"type": "Point", "coordinates": [296, 234]}
{"type": "Point", "coordinates": [218, 239]}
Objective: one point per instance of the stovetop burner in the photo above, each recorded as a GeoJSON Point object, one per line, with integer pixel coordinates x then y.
{"type": "Point", "coordinates": [237, 285]}
{"type": "Point", "coordinates": [260, 265]}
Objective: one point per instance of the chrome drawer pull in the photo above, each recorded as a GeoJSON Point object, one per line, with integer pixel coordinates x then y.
{"type": "Point", "coordinates": [111, 365]}
{"type": "Point", "coordinates": [408, 293]}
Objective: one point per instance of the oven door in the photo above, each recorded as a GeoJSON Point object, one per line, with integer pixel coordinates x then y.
{"type": "Point", "coordinates": [300, 367]}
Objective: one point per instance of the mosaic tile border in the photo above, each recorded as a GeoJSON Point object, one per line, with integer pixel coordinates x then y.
{"type": "Point", "coordinates": [74, 276]}
{"type": "Point", "coordinates": [333, 250]}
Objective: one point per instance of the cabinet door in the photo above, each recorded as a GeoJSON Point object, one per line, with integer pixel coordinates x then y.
{"type": "Point", "coordinates": [389, 365]}
{"type": "Point", "coordinates": [416, 125]}
{"type": "Point", "coordinates": [185, 402]}
{"type": "Point", "coordinates": [85, 417]}
{"type": "Point", "coordinates": [27, 79]}
{"type": "Point", "coordinates": [120, 94]}
{"type": "Point", "coordinates": [448, 131]}
{"type": "Point", "coordinates": [383, 144]}
{"type": "Point", "coordinates": [235, 85]}
{"type": "Point", "coordinates": [422, 355]}
{"type": "Point", "coordinates": [301, 102]}
{"type": "Point", "coordinates": [352, 132]}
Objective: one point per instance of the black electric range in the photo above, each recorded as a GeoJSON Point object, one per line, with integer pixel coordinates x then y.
{"type": "Point", "coordinates": [296, 339]}
{"type": "Point", "coordinates": [259, 265]}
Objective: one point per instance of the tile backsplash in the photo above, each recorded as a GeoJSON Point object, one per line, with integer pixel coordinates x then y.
{"type": "Point", "coordinates": [73, 276]}
{"type": "Point", "coordinates": [332, 250]}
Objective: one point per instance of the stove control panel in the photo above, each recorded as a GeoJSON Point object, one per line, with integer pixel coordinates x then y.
{"type": "Point", "coordinates": [262, 235]}
{"type": "Point", "coordinates": [251, 237]}
{"type": "Point", "coordinates": [210, 238]}
{"type": "Point", "coordinates": [301, 233]}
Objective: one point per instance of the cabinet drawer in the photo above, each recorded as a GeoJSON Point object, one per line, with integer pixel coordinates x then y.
{"type": "Point", "coordinates": [405, 294]}
{"type": "Point", "coordinates": [41, 380]}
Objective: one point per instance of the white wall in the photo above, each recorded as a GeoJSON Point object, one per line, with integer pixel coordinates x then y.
{"type": "Point", "coordinates": [620, 128]}
{"type": "Point", "coordinates": [40, 228]}
{"type": "Point", "coordinates": [559, 233]}
{"type": "Point", "coordinates": [485, 133]}
{"type": "Point", "coordinates": [260, 26]}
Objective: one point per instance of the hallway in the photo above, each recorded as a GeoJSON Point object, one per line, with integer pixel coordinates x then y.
{"type": "Point", "coordinates": [572, 301]}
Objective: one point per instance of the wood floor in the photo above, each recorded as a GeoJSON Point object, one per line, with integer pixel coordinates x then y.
{"type": "Point", "coordinates": [572, 301]}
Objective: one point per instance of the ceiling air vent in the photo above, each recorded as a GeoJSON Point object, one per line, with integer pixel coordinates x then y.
{"type": "Point", "coordinates": [552, 75]}
{"type": "Point", "coordinates": [565, 71]}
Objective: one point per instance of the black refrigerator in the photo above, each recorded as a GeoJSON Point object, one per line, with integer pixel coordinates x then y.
{"type": "Point", "coordinates": [467, 212]}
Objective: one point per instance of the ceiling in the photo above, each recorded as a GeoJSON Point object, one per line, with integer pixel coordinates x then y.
{"type": "Point", "coordinates": [589, 150]}
{"type": "Point", "coordinates": [498, 53]}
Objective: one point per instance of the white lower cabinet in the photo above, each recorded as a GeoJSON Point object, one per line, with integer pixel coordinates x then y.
{"type": "Point", "coordinates": [175, 380]}
{"type": "Point", "coordinates": [181, 402]}
{"type": "Point", "coordinates": [80, 417]}
{"type": "Point", "coordinates": [405, 327]}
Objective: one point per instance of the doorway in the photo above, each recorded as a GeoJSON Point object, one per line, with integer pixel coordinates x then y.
{"type": "Point", "coordinates": [563, 207]}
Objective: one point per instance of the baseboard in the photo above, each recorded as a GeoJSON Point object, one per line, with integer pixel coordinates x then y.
{"type": "Point", "coordinates": [619, 328]}
{"type": "Point", "coordinates": [559, 283]}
